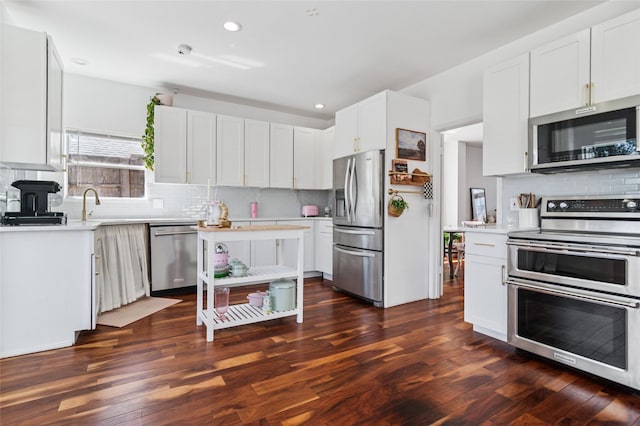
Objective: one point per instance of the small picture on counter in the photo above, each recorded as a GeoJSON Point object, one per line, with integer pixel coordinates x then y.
{"type": "Point", "coordinates": [400, 166]}
{"type": "Point", "coordinates": [411, 145]}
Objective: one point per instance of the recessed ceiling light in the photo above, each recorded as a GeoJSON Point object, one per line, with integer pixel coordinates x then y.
{"type": "Point", "coordinates": [313, 11]}
{"type": "Point", "coordinates": [232, 26]}
{"type": "Point", "coordinates": [80, 61]}
{"type": "Point", "coordinates": [319, 106]}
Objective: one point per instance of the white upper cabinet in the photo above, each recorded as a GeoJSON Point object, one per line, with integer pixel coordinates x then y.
{"type": "Point", "coordinates": [185, 146]}
{"type": "Point", "coordinates": [281, 156]}
{"type": "Point", "coordinates": [346, 131]}
{"type": "Point", "coordinates": [256, 153]}
{"type": "Point", "coordinates": [505, 117]}
{"type": "Point", "coordinates": [201, 147]}
{"type": "Point", "coordinates": [305, 143]}
{"type": "Point", "coordinates": [560, 75]}
{"type": "Point", "coordinates": [56, 150]}
{"type": "Point", "coordinates": [230, 151]}
{"type": "Point", "coordinates": [615, 58]}
{"type": "Point", "coordinates": [170, 144]}
{"type": "Point", "coordinates": [324, 155]}
{"type": "Point", "coordinates": [31, 108]}
{"type": "Point", "coordinates": [595, 65]}
{"type": "Point", "coordinates": [361, 127]}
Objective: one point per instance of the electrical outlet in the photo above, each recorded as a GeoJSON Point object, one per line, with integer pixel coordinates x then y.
{"type": "Point", "coordinates": [513, 204]}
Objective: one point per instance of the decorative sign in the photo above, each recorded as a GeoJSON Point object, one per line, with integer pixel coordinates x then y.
{"type": "Point", "coordinates": [399, 167]}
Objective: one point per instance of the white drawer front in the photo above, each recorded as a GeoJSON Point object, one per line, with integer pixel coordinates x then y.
{"type": "Point", "coordinates": [481, 244]}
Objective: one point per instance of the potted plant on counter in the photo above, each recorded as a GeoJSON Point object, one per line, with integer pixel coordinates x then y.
{"type": "Point", "coordinates": [397, 205]}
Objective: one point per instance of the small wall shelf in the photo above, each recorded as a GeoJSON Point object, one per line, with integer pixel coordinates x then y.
{"type": "Point", "coordinates": [415, 178]}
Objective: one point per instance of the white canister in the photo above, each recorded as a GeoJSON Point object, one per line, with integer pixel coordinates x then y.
{"type": "Point", "coordinates": [283, 294]}
{"type": "Point", "coordinates": [529, 218]}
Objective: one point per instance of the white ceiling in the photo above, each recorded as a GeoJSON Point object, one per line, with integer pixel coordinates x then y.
{"type": "Point", "coordinates": [284, 59]}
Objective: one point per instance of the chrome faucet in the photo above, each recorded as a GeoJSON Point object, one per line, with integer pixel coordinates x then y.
{"type": "Point", "coordinates": [84, 202]}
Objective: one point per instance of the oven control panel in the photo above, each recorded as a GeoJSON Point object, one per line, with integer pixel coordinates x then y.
{"type": "Point", "coordinates": [592, 205]}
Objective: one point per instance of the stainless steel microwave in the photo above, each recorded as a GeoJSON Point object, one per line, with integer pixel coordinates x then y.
{"type": "Point", "coordinates": [597, 136]}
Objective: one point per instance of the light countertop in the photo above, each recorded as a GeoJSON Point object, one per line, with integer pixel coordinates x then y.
{"type": "Point", "coordinates": [90, 225]}
{"type": "Point", "coordinates": [487, 229]}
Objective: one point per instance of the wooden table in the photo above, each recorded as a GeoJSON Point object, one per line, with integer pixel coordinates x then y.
{"type": "Point", "coordinates": [450, 232]}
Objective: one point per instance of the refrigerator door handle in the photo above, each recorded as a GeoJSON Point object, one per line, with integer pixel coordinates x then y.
{"type": "Point", "coordinates": [348, 231]}
{"type": "Point", "coordinates": [347, 202]}
{"type": "Point", "coordinates": [355, 253]}
{"type": "Point", "coordinates": [354, 192]}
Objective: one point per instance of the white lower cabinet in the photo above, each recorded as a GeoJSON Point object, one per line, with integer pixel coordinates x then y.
{"type": "Point", "coordinates": [291, 249]}
{"type": "Point", "coordinates": [323, 245]}
{"type": "Point", "coordinates": [485, 291]}
{"type": "Point", "coordinates": [45, 309]}
{"type": "Point", "coordinates": [263, 252]}
{"type": "Point", "coordinates": [240, 250]}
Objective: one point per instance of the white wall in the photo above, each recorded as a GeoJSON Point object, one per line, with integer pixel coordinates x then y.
{"type": "Point", "coordinates": [109, 106]}
{"type": "Point", "coordinates": [456, 100]}
{"type": "Point", "coordinates": [450, 186]}
{"type": "Point", "coordinates": [456, 94]}
{"type": "Point", "coordinates": [117, 108]}
{"type": "Point", "coordinates": [475, 179]}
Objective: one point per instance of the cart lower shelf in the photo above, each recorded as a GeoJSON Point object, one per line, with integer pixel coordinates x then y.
{"type": "Point", "coordinates": [255, 275]}
{"type": "Point", "coordinates": [241, 314]}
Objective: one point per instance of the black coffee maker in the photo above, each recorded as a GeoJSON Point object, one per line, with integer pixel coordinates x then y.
{"type": "Point", "coordinates": [34, 204]}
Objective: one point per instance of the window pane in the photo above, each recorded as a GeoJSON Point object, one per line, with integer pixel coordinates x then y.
{"type": "Point", "coordinates": [112, 165]}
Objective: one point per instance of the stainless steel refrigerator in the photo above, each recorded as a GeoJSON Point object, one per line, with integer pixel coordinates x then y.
{"type": "Point", "coordinates": [358, 237]}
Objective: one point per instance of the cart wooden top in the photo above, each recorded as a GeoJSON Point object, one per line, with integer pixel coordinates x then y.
{"type": "Point", "coordinates": [250, 228]}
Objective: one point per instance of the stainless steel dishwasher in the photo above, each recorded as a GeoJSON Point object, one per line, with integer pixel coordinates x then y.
{"type": "Point", "coordinates": [173, 257]}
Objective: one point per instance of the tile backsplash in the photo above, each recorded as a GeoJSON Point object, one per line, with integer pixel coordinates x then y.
{"type": "Point", "coordinates": [173, 200]}
{"type": "Point", "coordinates": [188, 200]}
{"type": "Point", "coordinates": [600, 182]}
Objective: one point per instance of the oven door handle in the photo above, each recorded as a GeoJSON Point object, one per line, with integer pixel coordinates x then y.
{"type": "Point", "coordinates": [572, 248]}
{"type": "Point", "coordinates": [625, 303]}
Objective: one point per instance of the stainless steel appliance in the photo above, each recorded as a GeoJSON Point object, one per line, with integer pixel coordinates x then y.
{"type": "Point", "coordinates": [358, 220]}
{"type": "Point", "coordinates": [595, 136]}
{"type": "Point", "coordinates": [34, 204]}
{"type": "Point", "coordinates": [574, 286]}
{"type": "Point", "coordinates": [173, 257]}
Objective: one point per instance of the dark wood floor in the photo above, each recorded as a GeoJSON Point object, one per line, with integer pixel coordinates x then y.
{"type": "Point", "coordinates": [348, 363]}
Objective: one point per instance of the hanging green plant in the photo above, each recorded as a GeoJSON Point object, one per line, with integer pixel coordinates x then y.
{"type": "Point", "coordinates": [397, 205]}
{"type": "Point", "coordinates": [147, 138]}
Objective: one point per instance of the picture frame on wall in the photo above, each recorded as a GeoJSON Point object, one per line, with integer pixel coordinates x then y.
{"type": "Point", "coordinates": [411, 145]}
{"type": "Point", "coordinates": [478, 205]}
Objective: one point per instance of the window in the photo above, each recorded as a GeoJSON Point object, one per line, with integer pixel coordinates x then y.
{"type": "Point", "coordinates": [111, 164]}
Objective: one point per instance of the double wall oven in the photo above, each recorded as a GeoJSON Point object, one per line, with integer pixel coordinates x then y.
{"type": "Point", "coordinates": [574, 286]}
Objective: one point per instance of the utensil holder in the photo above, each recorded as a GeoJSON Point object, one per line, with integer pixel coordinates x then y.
{"type": "Point", "coordinates": [529, 218]}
